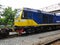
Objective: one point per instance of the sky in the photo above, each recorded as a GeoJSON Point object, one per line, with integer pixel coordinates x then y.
{"type": "Point", "coordinates": [36, 4]}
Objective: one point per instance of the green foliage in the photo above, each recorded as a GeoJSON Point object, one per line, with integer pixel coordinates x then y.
{"type": "Point", "coordinates": [9, 16]}
{"type": "Point", "coordinates": [2, 21]}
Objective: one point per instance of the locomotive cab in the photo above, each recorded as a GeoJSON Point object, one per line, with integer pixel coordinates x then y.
{"type": "Point", "coordinates": [23, 19]}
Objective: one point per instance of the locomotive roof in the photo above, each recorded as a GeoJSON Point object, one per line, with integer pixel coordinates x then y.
{"type": "Point", "coordinates": [35, 10]}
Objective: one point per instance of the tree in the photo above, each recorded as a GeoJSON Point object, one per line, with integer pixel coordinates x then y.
{"type": "Point", "coordinates": [9, 15]}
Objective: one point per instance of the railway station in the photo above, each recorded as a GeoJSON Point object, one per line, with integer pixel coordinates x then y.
{"type": "Point", "coordinates": [29, 26]}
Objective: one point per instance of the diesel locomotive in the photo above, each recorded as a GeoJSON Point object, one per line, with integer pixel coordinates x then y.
{"type": "Point", "coordinates": [32, 20]}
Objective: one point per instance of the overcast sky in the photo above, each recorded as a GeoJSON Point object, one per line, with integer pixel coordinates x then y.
{"type": "Point", "coordinates": [36, 4]}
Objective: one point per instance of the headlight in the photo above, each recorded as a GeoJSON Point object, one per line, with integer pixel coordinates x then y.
{"type": "Point", "coordinates": [22, 20]}
{"type": "Point", "coordinates": [16, 20]}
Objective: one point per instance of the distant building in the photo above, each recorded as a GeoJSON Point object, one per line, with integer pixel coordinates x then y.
{"type": "Point", "coordinates": [52, 8]}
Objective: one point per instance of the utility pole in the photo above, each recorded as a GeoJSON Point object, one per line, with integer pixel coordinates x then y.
{"type": "Point", "coordinates": [0, 10]}
{"type": "Point", "coordinates": [0, 6]}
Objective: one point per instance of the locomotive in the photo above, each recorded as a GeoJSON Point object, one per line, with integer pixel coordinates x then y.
{"type": "Point", "coordinates": [32, 20]}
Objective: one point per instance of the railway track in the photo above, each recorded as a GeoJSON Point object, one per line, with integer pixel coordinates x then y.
{"type": "Point", "coordinates": [35, 39]}
{"type": "Point", "coordinates": [14, 34]}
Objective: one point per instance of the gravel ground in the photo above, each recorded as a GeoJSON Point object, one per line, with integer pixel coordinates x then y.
{"type": "Point", "coordinates": [26, 40]}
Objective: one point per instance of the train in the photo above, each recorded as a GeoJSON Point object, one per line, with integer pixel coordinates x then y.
{"type": "Point", "coordinates": [30, 20]}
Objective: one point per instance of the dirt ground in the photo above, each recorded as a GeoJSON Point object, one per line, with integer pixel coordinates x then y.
{"type": "Point", "coordinates": [56, 43]}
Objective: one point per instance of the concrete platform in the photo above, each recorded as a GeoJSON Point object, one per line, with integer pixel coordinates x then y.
{"type": "Point", "coordinates": [34, 39]}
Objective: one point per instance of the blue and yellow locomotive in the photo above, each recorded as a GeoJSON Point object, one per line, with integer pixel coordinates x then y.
{"type": "Point", "coordinates": [32, 20]}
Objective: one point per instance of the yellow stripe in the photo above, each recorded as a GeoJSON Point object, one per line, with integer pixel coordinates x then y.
{"type": "Point", "coordinates": [27, 22]}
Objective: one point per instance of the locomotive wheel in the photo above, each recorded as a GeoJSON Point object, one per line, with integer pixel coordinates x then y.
{"type": "Point", "coordinates": [29, 30]}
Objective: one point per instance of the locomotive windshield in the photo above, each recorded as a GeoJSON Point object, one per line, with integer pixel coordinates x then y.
{"type": "Point", "coordinates": [24, 15]}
